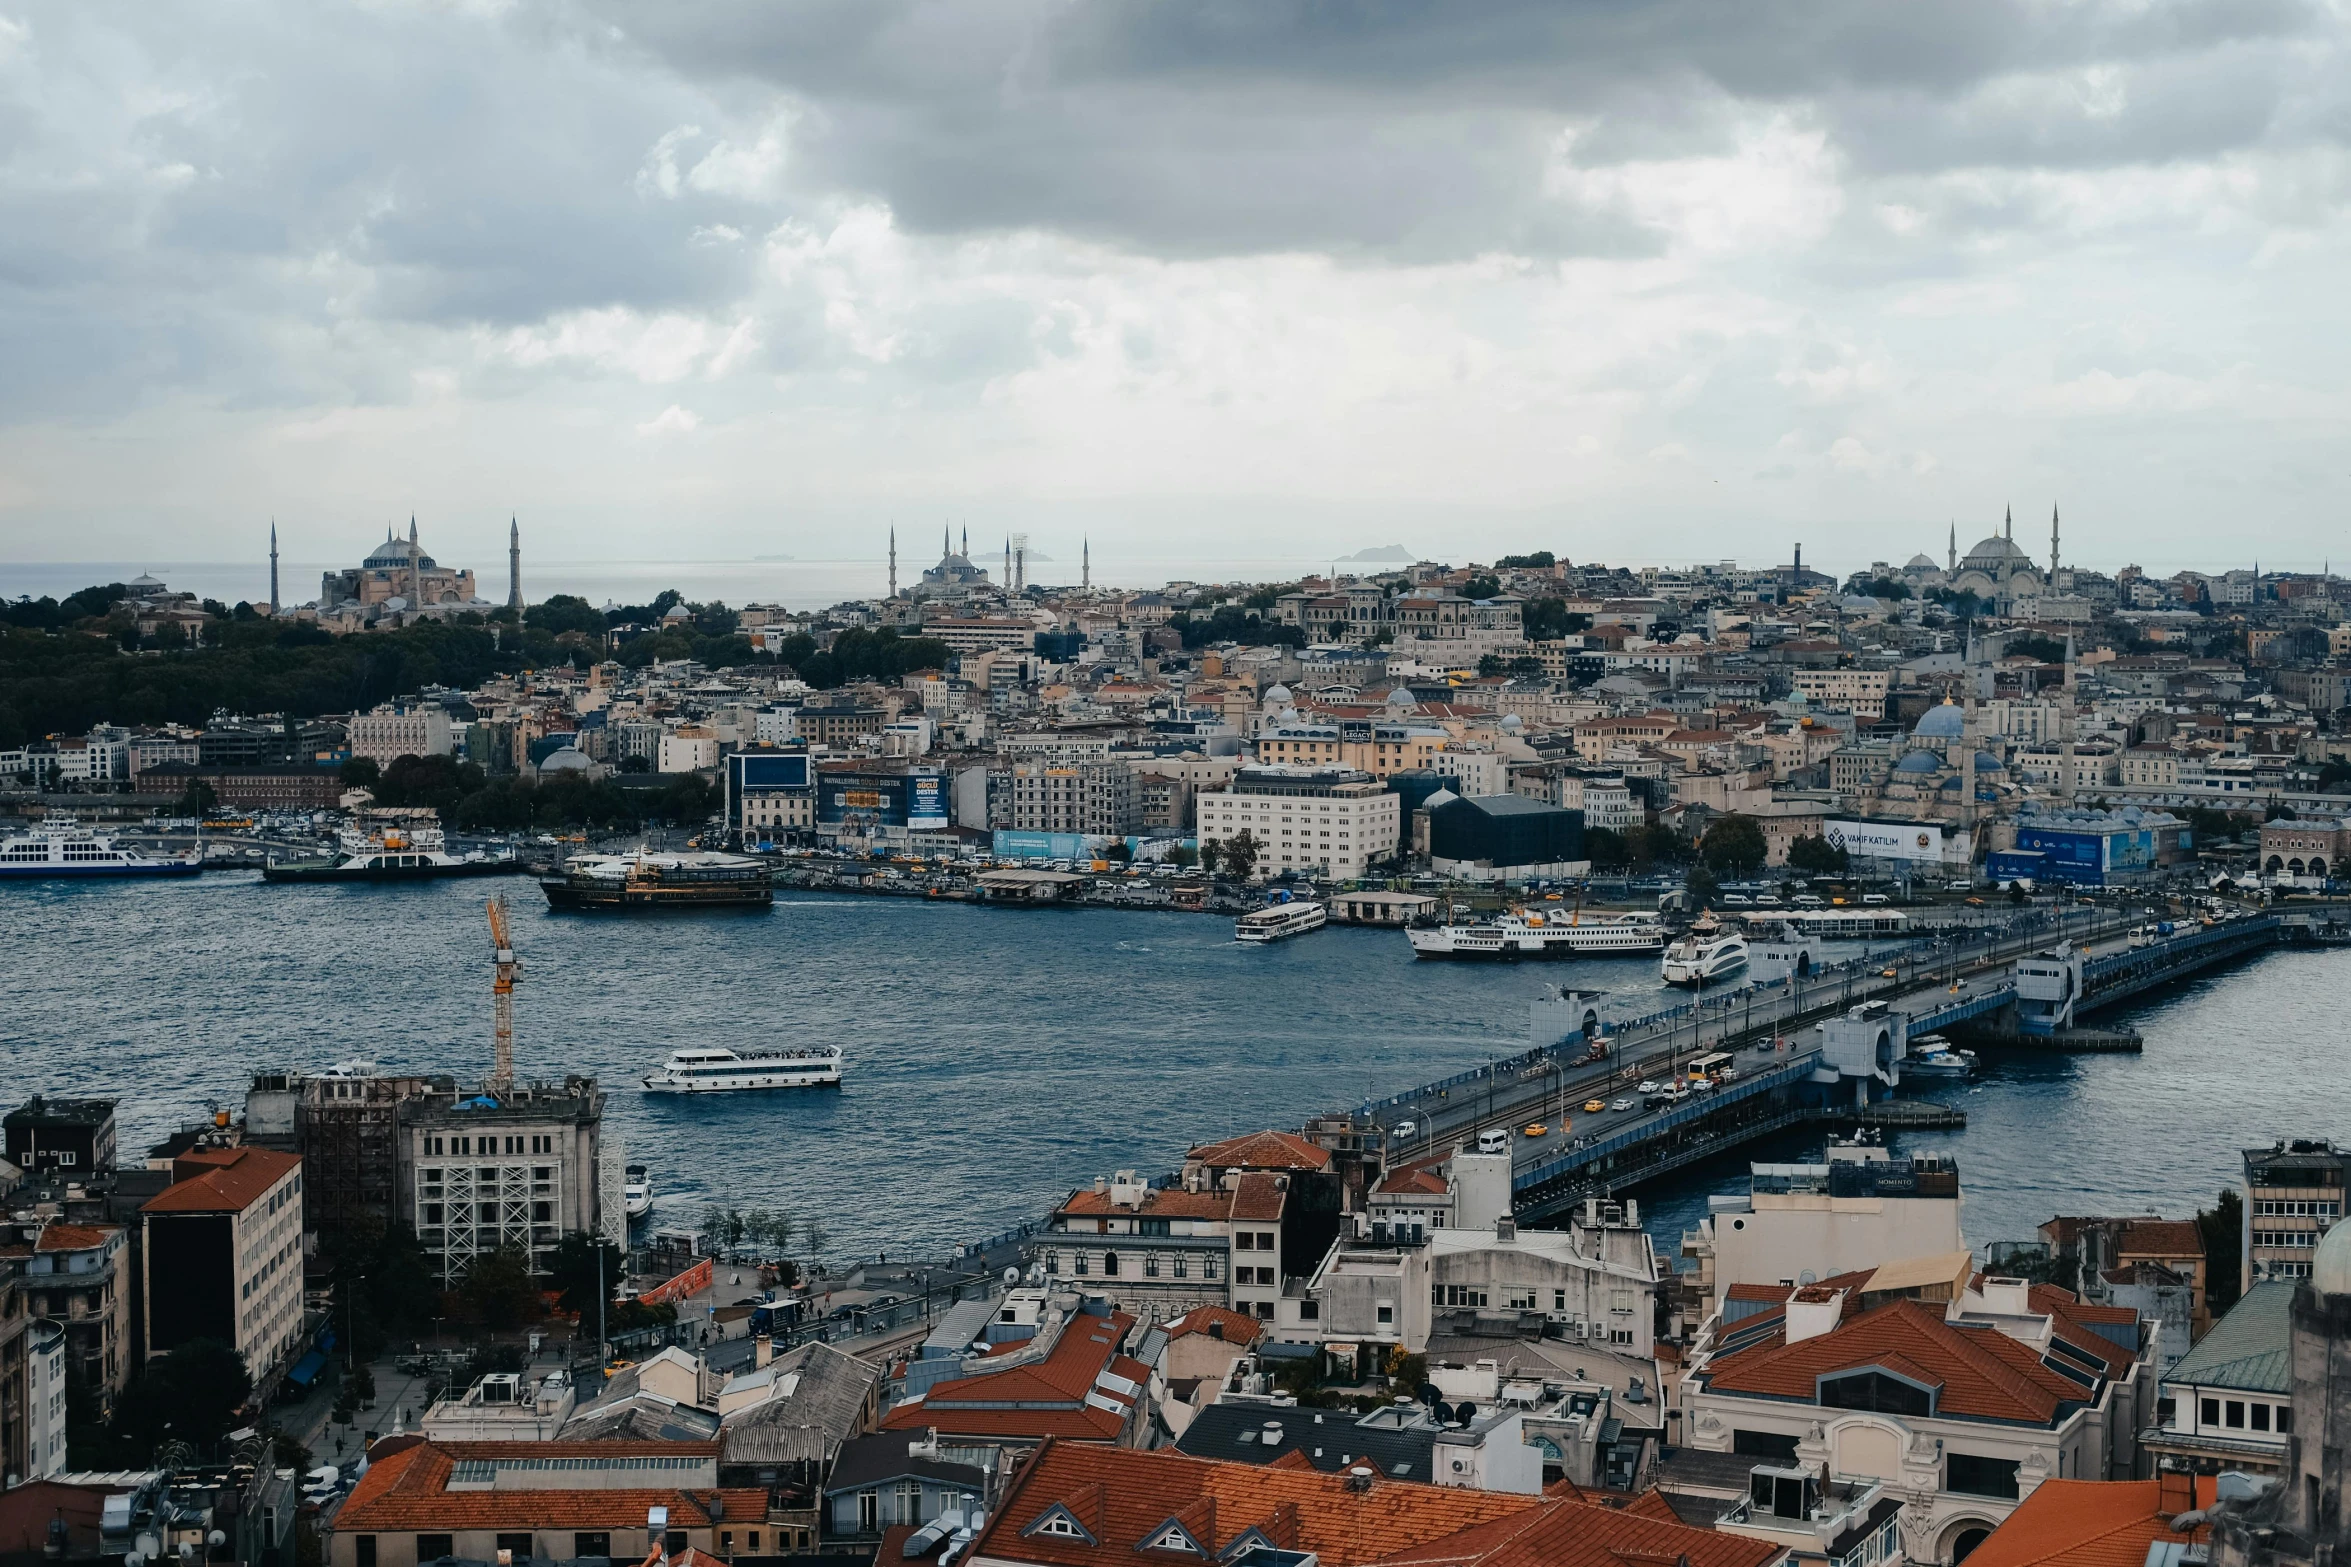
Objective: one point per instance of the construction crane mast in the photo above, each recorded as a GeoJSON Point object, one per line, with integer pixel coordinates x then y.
{"type": "Point", "coordinates": [509, 970]}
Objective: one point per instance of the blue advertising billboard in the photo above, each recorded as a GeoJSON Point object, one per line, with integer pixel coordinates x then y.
{"type": "Point", "coordinates": [927, 805]}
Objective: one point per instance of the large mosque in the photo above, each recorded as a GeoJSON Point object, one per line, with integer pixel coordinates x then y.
{"type": "Point", "coordinates": [1997, 570]}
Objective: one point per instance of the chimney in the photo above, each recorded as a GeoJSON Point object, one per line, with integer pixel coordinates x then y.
{"type": "Point", "coordinates": [763, 1350]}
{"type": "Point", "coordinates": [1813, 1311]}
{"type": "Point", "coordinates": [1359, 1478]}
{"type": "Point", "coordinates": [1506, 1228]}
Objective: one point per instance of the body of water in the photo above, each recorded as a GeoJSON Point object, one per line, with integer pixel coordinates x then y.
{"type": "Point", "coordinates": [998, 1058]}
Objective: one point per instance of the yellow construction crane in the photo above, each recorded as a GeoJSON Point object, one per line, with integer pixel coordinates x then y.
{"type": "Point", "coordinates": [509, 970]}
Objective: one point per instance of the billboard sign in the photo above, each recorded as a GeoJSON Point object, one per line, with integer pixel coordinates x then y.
{"type": "Point", "coordinates": [927, 804]}
{"type": "Point", "coordinates": [1916, 841]}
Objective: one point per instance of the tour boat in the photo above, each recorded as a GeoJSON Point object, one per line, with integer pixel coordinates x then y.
{"type": "Point", "coordinates": [400, 845]}
{"type": "Point", "coordinates": [713, 1069]}
{"type": "Point", "coordinates": [636, 1191]}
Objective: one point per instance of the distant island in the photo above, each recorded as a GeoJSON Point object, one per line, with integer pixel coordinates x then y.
{"type": "Point", "coordinates": [1394, 552]}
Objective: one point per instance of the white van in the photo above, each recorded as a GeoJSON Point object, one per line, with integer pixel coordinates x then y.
{"type": "Point", "coordinates": [1493, 1140]}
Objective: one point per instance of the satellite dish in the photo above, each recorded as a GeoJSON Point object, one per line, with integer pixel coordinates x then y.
{"type": "Point", "coordinates": [1442, 1411]}
{"type": "Point", "coordinates": [1428, 1394]}
{"type": "Point", "coordinates": [148, 1546]}
{"type": "Point", "coordinates": [216, 1539]}
{"type": "Point", "coordinates": [134, 1559]}
{"type": "Point", "coordinates": [1011, 1276]}
{"type": "Point", "coordinates": [1807, 1279]}
{"type": "Point", "coordinates": [187, 1550]}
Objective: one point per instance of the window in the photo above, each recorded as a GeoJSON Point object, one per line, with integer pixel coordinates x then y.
{"type": "Point", "coordinates": [1265, 1240]}
{"type": "Point", "coordinates": [1210, 1268]}
{"type": "Point", "coordinates": [519, 1544]}
{"type": "Point", "coordinates": [364, 1549]}
{"type": "Point", "coordinates": [1151, 1266]}
{"type": "Point", "coordinates": [1151, 1227]}
{"type": "Point", "coordinates": [1874, 1390]}
{"type": "Point", "coordinates": [869, 1511]}
{"type": "Point", "coordinates": [1081, 1265]}
{"type": "Point", "coordinates": [726, 1540]}
{"type": "Point", "coordinates": [2260, 1413]}
{"type": "Point", "coordinates": [2208, 1411]}
{"type": "Point", "coordinates": [1110, 1265]}
{"type": "Point", "coordinates": [1310, 1311]}
{"type": "Point", "coordinates": [910, 1501]}
{"type": "Point", "coordinates": [1183, 1266]}
{"type": "Point", "coordinates": [598, 1544]}
{"type": "Point", "coordinates": [1519, 1300]}
{"type": "Point", "coordinates": [1972, 1475]}
{"type": "Point", "coordinates": [1386, 1316]}
{"type": "Point", "coordinates": [1559, 1300]}
{"type": "Point", "coordinates": [2236, 1415]}
{"type": "Point", "coordinates": [432, 1547]}
{"type": "Point", "coordinates": [1245, 1240]}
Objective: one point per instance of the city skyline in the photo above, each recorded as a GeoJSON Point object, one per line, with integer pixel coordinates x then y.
{"type": "Point", "coordinates": [1670, 288]}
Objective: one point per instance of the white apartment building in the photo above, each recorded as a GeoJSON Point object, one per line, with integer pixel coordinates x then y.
{"type": "Point", "coordinates": [776, 725]}
{"type": "Point", "coordinates": [1480, 772]}
{"type": "Point", "coordinates": [155, 750]}
{"type": "Point", "coordinates": [2150, 767]}
{"type": "Point", "coordinates": [390, 732]}
{"type": "Point", "coordinates": [1329, 821]}
{"type": "Point", "coordinates": [981, 636]}
{"type": "Point", "coordinates": [223, 1250]}
{"type": "Point", "coordinates": [689, 748]}
{"type": "Point", "coordinates": [1848, 690]}
{"type": "Point", "coordinates": [44, 1399]}
{"type": "Point", "coordinates": [1097, 798]}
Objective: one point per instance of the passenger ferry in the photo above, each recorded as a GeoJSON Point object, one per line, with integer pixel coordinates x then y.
{"type": "Point", "coordinates": [1280, 920]}
{"type": "Point", "coordinates": [392, 845]}
{"type": "Point", "coordinates": [1508, 937]}
{"type": "Point", "coordinates": [61, 846]}
{"type": "Point", "coordinates": [716, 1070]}
{"type": "Point", "coordinates": [636, 1191]}
{"type": "Point", "coordinates": [1707, 954]}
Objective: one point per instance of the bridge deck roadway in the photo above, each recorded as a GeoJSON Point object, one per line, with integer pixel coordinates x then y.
{"type": "Point", "coordinates": [1936, 987]}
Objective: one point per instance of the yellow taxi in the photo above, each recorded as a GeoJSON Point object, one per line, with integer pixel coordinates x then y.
{"type": "Point", "coordinates": [1595, 1106]}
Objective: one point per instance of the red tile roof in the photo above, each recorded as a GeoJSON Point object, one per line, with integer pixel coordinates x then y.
{"type": "Point", "coordinates": [2161, 1238]}
{"type": "Point", "coordinates": [2094, 1523]}
{"type": "Point", "coordinates": [1260, 1197]}
{"type": "Point", "coordinates": [222, 1180]}
{"type": "Point", "coordinates": [1416, 1181]}
{"type": "Point", "coordinates": [1171, 1202]}
{"type": "Point", "coordinates": [1263, 1151]}
{"type": "Point", "coordinates": [1063, 1394]}
{"type": "Point", "coordinates": [408, 1490]}
{"type": "Point", "coordinates": [1124, 1498]}
{"type": "Point", "coordinates": [1979, 1372]}
{"type": "Point", "coordinates": [75, 1237]}
{"type": "Point", "coordinates": [1232, 1326]}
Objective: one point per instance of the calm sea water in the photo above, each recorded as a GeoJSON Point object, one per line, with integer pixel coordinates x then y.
{"type": "Point", "coordinates": [997, 1058]}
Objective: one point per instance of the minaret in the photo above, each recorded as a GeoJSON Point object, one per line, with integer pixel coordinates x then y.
{"type": "Point", "coordinates": [415, 568]}
{"type": "Point", "coordinates": [273, 565]}
{"type": "Point", "coordinates": [946, 541]}
{"type": "Point", "coordinates": [2008, 528]}
{"type": "Point", "coordinates": [514, 566]}
{"type": "Point", "coordinates": [1951, 551]}
{"type": "Point", "coordinates": [893, 561]}
{"type": "Point", "coordinates": [2052, 549]}
{"type": "Point", "coordinates": [1008, 563]}
{"type": "Point", "coordinates": [1086, 563]}
{"type": "Point", "coordinates": [967, 541]}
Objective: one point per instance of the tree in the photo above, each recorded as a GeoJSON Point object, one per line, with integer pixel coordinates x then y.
{"type": "Point", "coordinates": [498, 1289]}
{"type": "Point", "coordinates": [1211, 852]}
{"type": "Point", "coordinates": [2223, 1263]}
{"type": "Point", "coordinates": [1483, 586]}
{"type": "Point", "coordinates": [1184, 856]}
{"type": "Point", "coordinates": [1605, 848]}
{"type": "Point", "coordinates": [565, 612]}
{"type": "Point", "coordinates": [361, 772]}
{"type": "Point", "coordinates": [1733, 846]}
{"type": "Point", "coordinates": [1240, 854]}
{"type": "Point", "coordinates": [198, 799]}
{"type": "Point", "coordinates": [194, 1394]}
{"type": "Point", "coordinates": [1703, 886]}
{"type": "Point", "coordinates": [1816, 856]}
{"type": "Point", "coordinates": [1539, 560]}
{"type": "Point", "coordinates": [573, 1270]}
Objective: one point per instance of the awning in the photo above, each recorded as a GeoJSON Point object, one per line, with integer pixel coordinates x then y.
{"type": "Point", "coordinates": [308, 1367]}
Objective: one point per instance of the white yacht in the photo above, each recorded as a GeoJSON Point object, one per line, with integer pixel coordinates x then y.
{"type": "Point", "coordinates": [1931, 1055]}
{"type": "Point", "coordinates": [1707, 954]}
{"type": "Point", "coordinates": [715, 1070]}
{"type": "Point", "coordinates": [636, 1191]}
{"type": "Point", "coordinates": [392, 844]}
{"type": "Point", "coordinates": [1542, 935]}
{"type": "Point", "coordinates": [61, 846]}
{"type": "Point", "coordinates": [1280, 920]}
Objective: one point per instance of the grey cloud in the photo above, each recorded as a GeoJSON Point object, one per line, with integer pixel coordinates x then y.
{"type": "Point", "coordinates": [1413, 130]}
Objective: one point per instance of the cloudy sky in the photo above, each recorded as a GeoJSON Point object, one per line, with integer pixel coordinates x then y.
{"type": "Point", "coordinates": [1637, 282]}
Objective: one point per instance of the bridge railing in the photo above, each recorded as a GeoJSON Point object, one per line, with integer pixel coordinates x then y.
{"type": "Point", "coordinates": [1764, 1082]}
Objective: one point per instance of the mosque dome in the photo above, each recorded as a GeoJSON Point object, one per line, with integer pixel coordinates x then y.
{"type": "Point", "coordinates": [1921, 563]}
{"type": "Point", "coordinates": [1994, 550]}
{"type": "Point", "coordinates": [1986, 762]}
{"type": "Point", "coordinates": [2330, 1268]}
{"type": "Point", "coordinates": [1277, 695]}
{"type": "Point", "coordinates": [1917, 763]}
{"type": "Point", "coordinates": [1946, 722]}
{"type": "Point", "coordinates": [1512, 723]}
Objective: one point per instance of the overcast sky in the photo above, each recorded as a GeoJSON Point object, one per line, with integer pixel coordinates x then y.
{"type": "Point", "coordinates": [1636, 282]}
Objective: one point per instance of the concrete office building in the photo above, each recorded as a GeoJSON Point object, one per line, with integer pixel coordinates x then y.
{"type": "Point", "coordinates": [1326, 821]}
{"type": "Point", "coordinates": [223, 1258]}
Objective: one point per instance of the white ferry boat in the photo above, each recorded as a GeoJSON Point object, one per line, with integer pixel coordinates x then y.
{"type": "Point", "coordinates": [636, 1191]}
{"type": "Point", "coordinates": [1512, 936]}
{"type": "Point", "coordinates": [1931, 1055]}
{"type": "Point", "coordinates": [716, 1070]}
{"type": "Point", "coordinates": [1280, 920]}
{"type": "Point", "coordinates": [61, 846]}
{"type": "Point", "coordinates": [1707, 954]}
{"type": "Point", "coordinates": [392, 844]}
